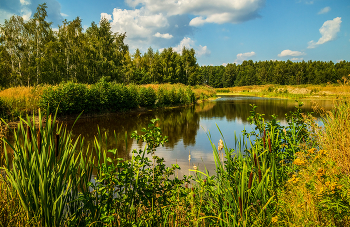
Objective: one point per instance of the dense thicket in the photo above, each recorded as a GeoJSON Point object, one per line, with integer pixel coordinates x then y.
{"type": "Point", "coordinates": [32, 53]}
{"type": "Point", "coordinates": [73, 98]}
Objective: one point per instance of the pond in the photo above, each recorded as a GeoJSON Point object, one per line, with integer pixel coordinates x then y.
{"type": "Point", "coordinates": [187, 127]}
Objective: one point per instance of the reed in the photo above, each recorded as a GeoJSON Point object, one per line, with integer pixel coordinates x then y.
{"type": "Point", "coordinates": [47, 185]}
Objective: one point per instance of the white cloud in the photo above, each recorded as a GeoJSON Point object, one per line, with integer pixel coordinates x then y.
{"type": "Point", "coordinates": [139, 25]}
{"type": "Point", "coordinates": [219, 11]}
{"type": "Point", "coordinates": [308, 2]}
{"type": "Point", "coordinates": [243, 56]}
{"type": "Point", "coordinates": [106, 16]}
{"type": "Point", "coordinates": [24, 2]}
{"type": "Point", "coordinates": [202, 50]}
{"type": "Point", "coordinates": [297, 59]}
{"type": "Point", "coordinates": [26, 8]}
{"type": "Point", "coordinates": [26, 14]}
{"type": "Point", "coordinates": [189, 43]}
{"type": "Point", "coordinates": [329, 31]}
{"type": "Point", "coordinates": [285, 53]}
{"type": "Point", "coordinates": [325, 10]}
{"type": "Point", "coordinates": [150, 20]}
{"type": "Point", "coordinates": [340, 60]}
{"type": "Point", "coordinates": [164, 36]}
{"type": "Point", "coordinates": [224, 64]}
{"type": "Point", "coordinates": [64, 15]}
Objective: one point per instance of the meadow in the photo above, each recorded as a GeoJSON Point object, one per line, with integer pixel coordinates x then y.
{"type": "Point", "coordinates": [294, 175]}
{"type": "Point", "coordinates": [325, 91]}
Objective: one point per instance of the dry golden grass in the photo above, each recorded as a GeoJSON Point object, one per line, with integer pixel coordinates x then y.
{"type": "Point", "coordinates": [304, 91]}
{"type": "Point", "coordinates": [11, 211]}
{"type": "Point", "coordinates": [197, 90]}
{"type": "Point", "coordinates": [22, 99]}
{"type": "Point", "coordinates": [319, 193]}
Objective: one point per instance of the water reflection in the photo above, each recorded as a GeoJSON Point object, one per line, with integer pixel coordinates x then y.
{"type": "Point", "coordinates": [187, 127]}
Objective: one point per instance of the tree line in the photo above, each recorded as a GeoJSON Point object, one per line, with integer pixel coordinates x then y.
{"type": "Point", "coordinates": [32, 53]}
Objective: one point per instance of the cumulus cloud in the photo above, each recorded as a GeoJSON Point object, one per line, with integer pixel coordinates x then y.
{"type": "Point", "coordinates": [27, 8]}
{"type": "Point", "coordinates": [219, 11]}
{"type": "Point", "coordinates": [64, 15]}
{"type": "Point", "coordinates": [189, 43]}
{"type": "Point", "coordinates": [144, 28]}
{"type": "Point", "coordinates": [164, 36]}
{"type": "Point", "coordinates": [285, 53]}
{"type": "Point", "coordinates": [243, 56]}
{"type": "Point", "coordinates": [325, 10]}
{"type": "Point", "coordinates": [106, 16]}
{"type": "Point", "coordinates": [329, 31]}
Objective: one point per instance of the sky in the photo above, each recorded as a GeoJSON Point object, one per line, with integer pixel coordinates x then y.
{"type": "Point", "coordinates": [221, 31]}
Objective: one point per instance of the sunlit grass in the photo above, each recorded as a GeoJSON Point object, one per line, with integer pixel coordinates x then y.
{"type": "Point", "coordinates": [325, 91]}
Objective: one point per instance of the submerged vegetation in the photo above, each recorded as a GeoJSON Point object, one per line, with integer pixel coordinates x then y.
{"type": "Point", "coordinates": [292, 175]}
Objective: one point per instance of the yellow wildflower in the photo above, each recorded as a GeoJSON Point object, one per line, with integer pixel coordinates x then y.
{"type": "Point", "coordinates": [322, 152]}
{"type": "Point", "coordinates": [312, 150]}
{"type": "Point", "coordinates": [299, 162]}
{"type": "Point", "coordinates": [274, 219]}
{"type": "Point", "coordinates": [294, 179]}
{"type": "Point", "coordinates": [320, 172]}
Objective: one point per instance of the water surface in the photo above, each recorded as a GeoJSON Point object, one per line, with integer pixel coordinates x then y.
{"type": "Point", "coordinates": [187, 127]}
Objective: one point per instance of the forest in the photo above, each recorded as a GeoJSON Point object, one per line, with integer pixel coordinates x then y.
{"type": "Point", "coordinates": [33, 53]}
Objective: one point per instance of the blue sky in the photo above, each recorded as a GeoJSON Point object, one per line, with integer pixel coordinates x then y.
{"type": "Point", "coordinates": [221, 31]}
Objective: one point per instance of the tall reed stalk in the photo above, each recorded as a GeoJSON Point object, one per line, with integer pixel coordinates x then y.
{"type": "Point", "coordinates": [47, 169]}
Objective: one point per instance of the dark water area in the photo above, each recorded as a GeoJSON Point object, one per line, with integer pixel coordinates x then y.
{"type": "Point", "coordinates": [187, 127]}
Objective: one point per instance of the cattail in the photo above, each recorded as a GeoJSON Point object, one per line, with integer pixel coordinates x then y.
{"type": "Point", "coordinates": [264, 139]}
{"type": "Point", "coordinates": [250, 180]}
{"type": "Point", "coordinates": [57, 143]}
{"type": "Point", "coordinates": [29, 134]}
{"type": "Point", "coordinates": [269, 141]}
{"type": "Point", "coordinates": [260, 175]}
{"type": "Point", "coordinates": [255, 161]}
{"type": "Point", "coordinates": [39, 141]}
{"type": "Point", "coordinates": [240, 206]}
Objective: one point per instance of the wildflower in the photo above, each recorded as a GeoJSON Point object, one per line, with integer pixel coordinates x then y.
{"type": "Point", "coordinates": [322, 152]}
{"type": "Point", "coordinates": [195, 167]}
{"type": "Point", "coordinates": [284, 131]}
{"type": "Point", "coordinates": [312, 150]}
{"type": "Point", "coordinates": [294, 179]}
{"type": "Point", "coordinates": [298, 162]}
{"type": "Point", "coordinates": [320, 172]}
{"type": "Point", "coordinates": [274, 219]}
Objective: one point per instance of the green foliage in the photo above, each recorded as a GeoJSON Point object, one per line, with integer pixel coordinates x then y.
{"type": "Point", "coordinates": [4, 109]}
{"type": "Point", "coordinates": [47, 169]}
{"type": "Point", "coordinates": [123, 187]}
{"type": "Point", "coordinates": [73, 98]}
{"type": "Point", "coordinates": [72, 54]}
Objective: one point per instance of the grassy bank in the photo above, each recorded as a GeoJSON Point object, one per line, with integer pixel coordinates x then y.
{"type": "Point", "coordinates": [97, 98]}
{"type": "Point", "coordinates": [295, 175]}
{"type": "Point", "coordinates": [326, 91]}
